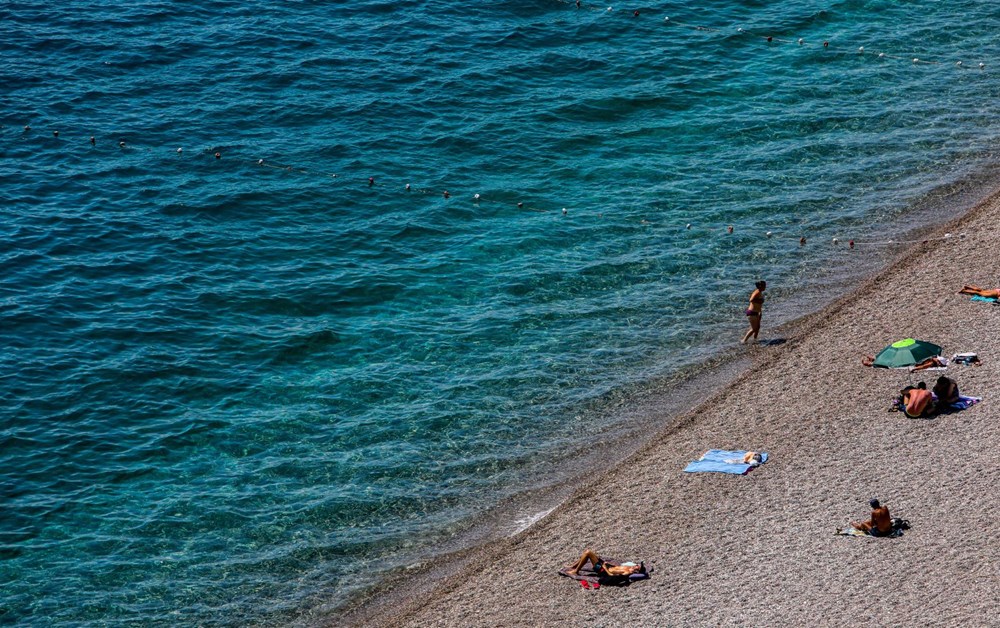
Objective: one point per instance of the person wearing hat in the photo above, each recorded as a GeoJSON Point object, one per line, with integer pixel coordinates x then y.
{"type": "Point", "coordinates": [880, 523]}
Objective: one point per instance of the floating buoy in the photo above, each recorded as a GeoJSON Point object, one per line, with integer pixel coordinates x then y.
{"type": "Point", "coordinates": [180, 150]}
{"type": "Point", "coordinates": [881, 55]}
{"type": "Point", "coordinates": [476, 198]}
{"type": "Point", "coordinates": [768, 234]}
{"type": "Point", "coordinates": [916, 60]}
{"type": "Point", "coordinates": [666, 19]}
{"type": "Point", "coordinates": [739, 30]}
{"type": "Point", "coordinates": [958, 63]}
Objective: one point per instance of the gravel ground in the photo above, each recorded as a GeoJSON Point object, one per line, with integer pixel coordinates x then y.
{"type": "Point", "coordinates": [761, 549]}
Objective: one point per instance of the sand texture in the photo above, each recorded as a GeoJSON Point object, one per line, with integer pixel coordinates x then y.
{"type": "Point", "coordinates": [760, 549]}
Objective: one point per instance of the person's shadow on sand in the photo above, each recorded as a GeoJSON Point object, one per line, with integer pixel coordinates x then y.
{"type": "Point", "coordinates": [773, 342]}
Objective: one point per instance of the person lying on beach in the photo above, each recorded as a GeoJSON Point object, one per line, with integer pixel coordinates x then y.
{"type": "Point", "coordinates": [981, 292]}
{"type": "Point", "coordinates": [751, 458]}
{"type": "Point", "coordinates": [880, 523]}
{"type": "Point", "coordinates": [604, 568]}
{"type": "Point", "coordinates": [946, 390]}
{"type": "Point", "coordinates": [917, 402]}
{"type": "Point", "coordinates": [935, 361]}
{"type": "Point", "coordinates": [931, 362]}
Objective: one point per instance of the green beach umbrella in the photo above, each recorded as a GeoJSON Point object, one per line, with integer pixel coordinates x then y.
{"type": "Point", "coordinates": [906, 352]}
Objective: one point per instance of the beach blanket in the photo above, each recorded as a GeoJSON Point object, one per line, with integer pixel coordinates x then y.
{"type": "Point", "coordinates": [963, 403]}
{"type": "Point", "coordinates": [850, 531]}
{"type": "Point", "coordinates": [984, 299]}
{"type": "Point", "coordinates": [588, 575]}
{"type": "Point", "coordinates": [723, 461]}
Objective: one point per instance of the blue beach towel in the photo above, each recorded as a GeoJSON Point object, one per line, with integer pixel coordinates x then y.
{"type": "Point", "coordinates": [962, 403]}
{"type": "Point", "coordinates": [714, 461]}
{"type": "Point", "coordinates": [986, 299]}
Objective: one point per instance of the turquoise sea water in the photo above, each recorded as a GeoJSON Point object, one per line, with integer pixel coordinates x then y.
{"type": "Point", "coordinates": [235, 393]}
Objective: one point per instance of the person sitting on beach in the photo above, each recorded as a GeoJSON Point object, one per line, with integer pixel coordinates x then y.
{"type": "Point", "coordinates": [880, 523]}
{"type": "Point", "coordinates": [946, 390]}
{"type": "Point", "coordinates": [917, 402]}
{"type": "Point", "coordinates": [981, 292]}
{"type": "Point", "coordinates": [603, 567]}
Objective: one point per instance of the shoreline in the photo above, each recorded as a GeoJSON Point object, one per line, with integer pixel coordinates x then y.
{"type": "Point", "coordinates": [456, 588]}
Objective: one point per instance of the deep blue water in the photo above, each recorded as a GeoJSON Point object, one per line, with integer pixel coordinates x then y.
{"type": "Point", "coordinates": [235, 393]}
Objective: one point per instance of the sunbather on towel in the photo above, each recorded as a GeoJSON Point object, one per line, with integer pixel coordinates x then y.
{"type": "Point", "coordinates": [946, 390]}
{"type": "Point", "coordinates": [603, 567]}
{"type": "Point", "coordinates": [932, 362]}
{"type": "Point", "coordinates": [751, 458]}
{"type": "Point", "coordinates": [981, 292]}
{"type": "Point", "coordinates": [917, 402]}
{"type": "Point", "coordinates": [880, 523]}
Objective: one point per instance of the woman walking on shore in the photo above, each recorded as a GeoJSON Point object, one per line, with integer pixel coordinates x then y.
{"type": "Point", "coordinates": [755, 310]}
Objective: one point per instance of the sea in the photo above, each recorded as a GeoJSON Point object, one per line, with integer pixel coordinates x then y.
{"type": "Point", "coordinates": [296, 296]}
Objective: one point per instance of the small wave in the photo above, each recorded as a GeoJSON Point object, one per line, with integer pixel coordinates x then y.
{"type": "Point", "coordinates": [523, 523]}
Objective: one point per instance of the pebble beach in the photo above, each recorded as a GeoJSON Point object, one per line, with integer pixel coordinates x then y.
{"type": "Point", "coordinates": [760, 549]}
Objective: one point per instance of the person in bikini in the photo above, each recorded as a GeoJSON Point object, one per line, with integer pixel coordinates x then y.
{"type": "Point", "coordinates": [917, 402]}
{"type": "Point", "coordinates": [981, 292]}
{"type": "Point", "coordinates": [755, 311]}
{"type": "Point", "coordinates": [604, 568]}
